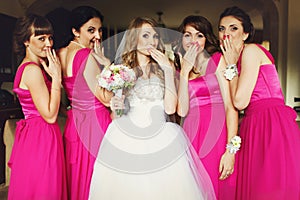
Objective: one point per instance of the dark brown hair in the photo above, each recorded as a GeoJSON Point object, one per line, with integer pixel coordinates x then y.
{"type": "Point", "coordinates": [243, 17]}
{"type": "Point", "coordinates": [26, 26]}
{"type": "Point", "coordinates": [202, 25]}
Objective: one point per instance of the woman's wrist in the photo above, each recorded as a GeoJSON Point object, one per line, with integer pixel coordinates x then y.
{"type": "Point", "coordinates": [234, 145]}
{"type": "Point", "coordinates": [56, 79]}
{"type": "Point", "coordinates": [184, 73]}
{"type": "Point", "coordinates": [168, 70]}
{"type": "Point", "coordinates": [231, 71]}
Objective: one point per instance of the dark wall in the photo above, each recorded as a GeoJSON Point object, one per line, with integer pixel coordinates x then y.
{"type": "Point", "coordinates": [7, 65]}
{"type": "Point", "coordinates": [59, 19]}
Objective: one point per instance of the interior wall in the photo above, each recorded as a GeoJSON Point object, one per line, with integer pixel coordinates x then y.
{"type": "Point", "coordinates": [293, 58]}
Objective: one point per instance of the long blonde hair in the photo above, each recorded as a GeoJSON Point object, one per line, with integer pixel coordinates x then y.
{"type": "Point", "coordinates": [129, 55]}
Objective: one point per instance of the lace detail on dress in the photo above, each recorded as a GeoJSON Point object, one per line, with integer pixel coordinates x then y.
{"type": "Point", "coordinates": [146, 90]}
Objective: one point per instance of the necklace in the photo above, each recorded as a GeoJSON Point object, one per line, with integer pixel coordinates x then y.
{"type": "Point", "coordinates": [78, 44]}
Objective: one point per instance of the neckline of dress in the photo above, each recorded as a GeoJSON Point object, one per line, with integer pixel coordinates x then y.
{"type": "Point", "coordinates": [77, 43]}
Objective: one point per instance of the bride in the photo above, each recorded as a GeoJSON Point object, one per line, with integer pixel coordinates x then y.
{"type": "Point", "coordinates": [143, 157]}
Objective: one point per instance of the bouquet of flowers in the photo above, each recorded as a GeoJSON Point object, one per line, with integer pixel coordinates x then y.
{"type": "Point", "coordinates": [115, 78]}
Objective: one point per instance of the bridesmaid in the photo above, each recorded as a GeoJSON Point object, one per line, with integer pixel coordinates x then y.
{"type": "Point", "coordinates": [37, 159]}
{"type": "Point", "coordinates": [88, 118]}
{"type": "Point", "coordinates": [269, 164]}
{"type": "Point", "coordinates": [210, 121]}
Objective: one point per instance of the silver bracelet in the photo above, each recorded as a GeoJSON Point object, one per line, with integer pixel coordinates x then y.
{"type": "Point", "coordinates": [231, 72]}
{"type": "Point", "coordinates": [234, 145]}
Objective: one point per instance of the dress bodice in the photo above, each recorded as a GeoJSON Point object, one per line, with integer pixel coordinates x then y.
{"type": "Point", "coordinates": [77, 90]}
{"type": "Point", "coordinates": [24, 95]}
{"type": "Point", "coordinates": [205, 89]}
{"type": "Point", "coordinates": [146, 90]}
{"type": "Point", "coordinates": [146, 101]}
{"type": "Point", "coordinates": [267, 84]}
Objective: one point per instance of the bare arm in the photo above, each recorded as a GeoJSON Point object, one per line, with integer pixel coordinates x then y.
{"type": "Point", "coordinates": [241, 87]}
{"type": "Point", "coordinates": [90, 72]}
{"type": "Point", "coordinates": [47, 103]}
{"type": "Point", "coordinates": [183, 94]}
{"type": "Point", "coordinates": [170, 97]}
{"type": "Point", "coordinates": [231, 115]}
{"type": "Point", "coordinates": [187, 64]}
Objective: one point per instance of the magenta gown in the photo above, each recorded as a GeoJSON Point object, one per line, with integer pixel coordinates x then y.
{"type": "Point", "coordinates": [37, 161]}
{"type": "Point", "coordinates": [206, 127]}
{"type": "Point", "coordinates": [269, 165]}
{"type": "Point", "coordinates": [86, 124]}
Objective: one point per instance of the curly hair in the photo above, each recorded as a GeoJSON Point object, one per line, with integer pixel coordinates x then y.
{"type": "Point", "coordinates": [129, 55]}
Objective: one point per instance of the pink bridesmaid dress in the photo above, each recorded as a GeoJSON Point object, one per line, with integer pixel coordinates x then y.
{"type": "Point", "coordinates": [86, 124]}
{"type": "Point", "coordinates": [37, 161]}
{"type": "Point", "coordinates": [205, 125]}
{"type": "Point", "coordinates": [269, 162]}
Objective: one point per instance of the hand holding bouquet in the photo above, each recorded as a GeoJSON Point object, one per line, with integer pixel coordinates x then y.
{"type": "Point", "coordinates": [115, 78]}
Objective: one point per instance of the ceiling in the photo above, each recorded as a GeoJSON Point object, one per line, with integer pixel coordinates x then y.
{"type": "Point", "coordinates": [118, 13]}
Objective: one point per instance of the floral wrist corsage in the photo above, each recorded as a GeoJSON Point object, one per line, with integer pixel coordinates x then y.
{"type": "Point", "coordinates": [231, 72]}
{"type": "Point", "coordinates": [234, 145]}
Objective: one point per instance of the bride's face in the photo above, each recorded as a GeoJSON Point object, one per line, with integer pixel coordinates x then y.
{"type": "Point", "coordinates": [147, 39]}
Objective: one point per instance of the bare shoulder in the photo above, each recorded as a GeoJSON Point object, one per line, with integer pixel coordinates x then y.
{"type": "Point", "coordinates": [252, 50]}
{"type": "Point", "coordinates": [62, 51]}
{"type": "Point", "coordinates": [32, 76]}
{"type": "Point", "coordinates": [32, 70]}
{"type": "Point", "coordinates": [64, 57]}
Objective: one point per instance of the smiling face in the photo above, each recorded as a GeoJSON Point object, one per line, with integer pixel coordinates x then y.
{"type": "Point", "coordinates": [232, 27]}
{"type": "Point", "coordinates": [38, 44]}
{"type": "Point", "coordinates": [89, 32]}
{"type": "Point", "coordinates": [147, 38]}
{"type": "Point", "coordinates": [192, 35]}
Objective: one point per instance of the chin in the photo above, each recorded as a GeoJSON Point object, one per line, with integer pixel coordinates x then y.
{"type": "Point", "coordinates": [43, 55]}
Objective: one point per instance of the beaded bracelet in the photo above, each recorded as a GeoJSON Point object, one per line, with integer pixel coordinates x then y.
{"type": "Point", "coordinates": [230, 72]}
{"type": "Point", "coordinates": [234, 145]}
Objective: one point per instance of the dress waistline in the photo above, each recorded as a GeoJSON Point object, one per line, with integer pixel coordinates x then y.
{"type": "Point", "coordinates": [263, 104]}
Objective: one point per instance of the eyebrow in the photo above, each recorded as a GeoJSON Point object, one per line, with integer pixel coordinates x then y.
{"type": "Point", "coordinates": [198, 32]}
{"type": "Point", "coordinates": [147, 32]}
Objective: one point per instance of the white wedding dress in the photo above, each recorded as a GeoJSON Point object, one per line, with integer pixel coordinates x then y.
{"type": "Point", "coordinates": [143, 157]}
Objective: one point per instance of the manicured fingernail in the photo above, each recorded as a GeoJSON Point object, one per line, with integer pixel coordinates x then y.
{"type": "Point", "coordinates": [224, 37]}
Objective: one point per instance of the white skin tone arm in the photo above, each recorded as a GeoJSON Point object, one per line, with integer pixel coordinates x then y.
{"type": "Point", "coordinates": [187, 65]}
{"type": "Point", "coordinates": [170, 97]}
{"type": "Point", "coordinates": [32, 79]}
{"type": "Point", "coordinates": [90, 72]}
{"type": "Point", "coordinates": [242, 87]}
{"type": "Point", "coordinates": [227, 161]}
